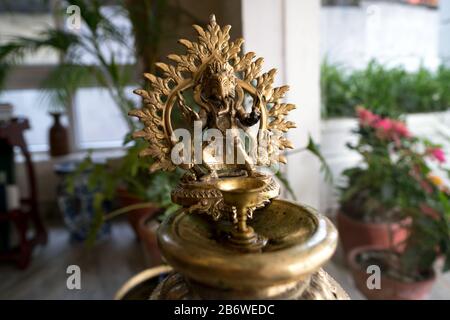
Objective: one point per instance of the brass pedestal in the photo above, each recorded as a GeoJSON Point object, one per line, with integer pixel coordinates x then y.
{"type": "Point", "coordinates": [299, 242]}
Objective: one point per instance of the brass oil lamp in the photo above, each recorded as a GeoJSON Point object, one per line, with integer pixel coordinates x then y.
{"type": "Point", "coordinates": [232, 238]}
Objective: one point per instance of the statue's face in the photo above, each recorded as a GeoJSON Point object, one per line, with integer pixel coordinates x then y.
{"type": "Point", "coordinates": [219, 81]}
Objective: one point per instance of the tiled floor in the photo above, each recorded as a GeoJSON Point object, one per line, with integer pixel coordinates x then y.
{"type": "Point", "coordinates": [105, 267]}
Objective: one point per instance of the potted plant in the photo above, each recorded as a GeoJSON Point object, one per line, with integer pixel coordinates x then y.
{"type": "Point", "coordinates": [397, 184]}
{"type": "Point", "coordinates": [410, 274]}
{"type": "Point", "coordinates": [136, 186]}
{"type": "Point", "coordinates": [134, 190]}
{"type": "Point", "coordinates": [145, 197]}
{"type": "Point", "coordinates": [371, 202]}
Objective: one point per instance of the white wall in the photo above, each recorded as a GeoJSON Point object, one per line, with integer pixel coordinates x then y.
{"type": "Point", "coordinates": [264, 36]}
{"type": "Point", "coordinates": [444, 30]}
{"type": "Point", "coordinates": [388, 32]}
{"type": "Point", "coordinates": [286, 34]}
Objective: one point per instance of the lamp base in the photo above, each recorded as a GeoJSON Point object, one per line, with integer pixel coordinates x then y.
{"type": "Point", "coordinates": [320, 286]}
{"type": "Point", "coordinates": [299, 242]}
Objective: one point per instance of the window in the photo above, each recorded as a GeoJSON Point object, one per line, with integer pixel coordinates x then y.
{"type": "Point", "coordinates": [32, 105]}
{"type": "Point", "coordinates": [94, 119]}
{"type": "Point", "coordinates": [99, 122]}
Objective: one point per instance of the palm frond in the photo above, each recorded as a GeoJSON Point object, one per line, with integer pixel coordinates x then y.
{"type": "Point", "coordinates": [61, 84]}
{"type": "Point", "coordinates": [324, 167]}
{"type": "Point", "coordinates": [15, 50]}
{"type": "Point", "coordinates": [285, 182]}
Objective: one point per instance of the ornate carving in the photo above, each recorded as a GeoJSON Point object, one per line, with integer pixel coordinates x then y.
{"type": "Point", "coordinates": [204, 198]}
{"type": "Point", "coordinates": [219, 77]}
{"type": "Point", "coordinates": [323, 287]}
{"type": "Point", "coordinates": [320, 286]}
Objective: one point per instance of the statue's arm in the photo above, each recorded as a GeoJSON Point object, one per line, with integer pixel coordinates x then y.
{"type": "Point", "coordinates": [204, 108]}
{"type": "Point", "coordinates": [247, 118]}
{"type": "Point", "coordinates": [185, 109]}
{"type": "Point", "coordinates": [203, 117]}
{"type": "Point", "coordinates": [192, 115]}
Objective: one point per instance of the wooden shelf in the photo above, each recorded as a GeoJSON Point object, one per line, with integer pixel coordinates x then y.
{"type": "Point", "coordinates": [12, 132]}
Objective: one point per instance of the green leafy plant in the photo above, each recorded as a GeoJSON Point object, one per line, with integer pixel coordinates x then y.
{"type": "Point", "coordinates": [388, 91]}
{"type": "Point", "coordinates": [314, 149]}
{"type": "Point", "coordinates": [131, 174]}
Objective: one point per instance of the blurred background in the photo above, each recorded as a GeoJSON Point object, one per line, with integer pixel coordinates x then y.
{"type": "Point", "coordinates": [371, 81]}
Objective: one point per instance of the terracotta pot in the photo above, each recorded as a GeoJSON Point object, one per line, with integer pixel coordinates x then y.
{"type": "Point", "coordinates": [58, 137]}
{"type": "Point", "coordinates": [148, 228]}
{"type": "Point", "coordinates": [390, 288]}
{"type": "Point", "coordinates": [135, 216]}
{"type": "Point", "coordinates": [354, 233]}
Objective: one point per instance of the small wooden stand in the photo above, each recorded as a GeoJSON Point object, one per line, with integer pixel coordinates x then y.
{"type": "Point", "coordinates": [12, 132]}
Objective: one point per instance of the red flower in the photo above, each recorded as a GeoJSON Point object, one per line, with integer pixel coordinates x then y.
{"type": "Point", "coordinates": [437, 153]}
{"type": "Point", "coordinates": [383, 128]}
{"type": "Point", "coordinates": [400, 129]}
{"type": "Point", "coordinates": [366, 117]}
{"type": "Point", "coordinates": [384, 125]}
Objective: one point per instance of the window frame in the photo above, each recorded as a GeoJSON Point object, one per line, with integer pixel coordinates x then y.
{"type": "Point", "coordinates": [19, 79]}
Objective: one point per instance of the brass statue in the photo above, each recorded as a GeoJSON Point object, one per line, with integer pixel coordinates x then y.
{"type": "Point", "coordinates": [210, 69]}
{"type": "Point", "coordinates": [221, 100]}
{"type": "Point", "coordinates": [232, 238]}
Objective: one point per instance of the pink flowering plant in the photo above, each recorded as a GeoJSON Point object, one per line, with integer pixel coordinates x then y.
{"type": "Point", "coordinates": [395, 181]}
